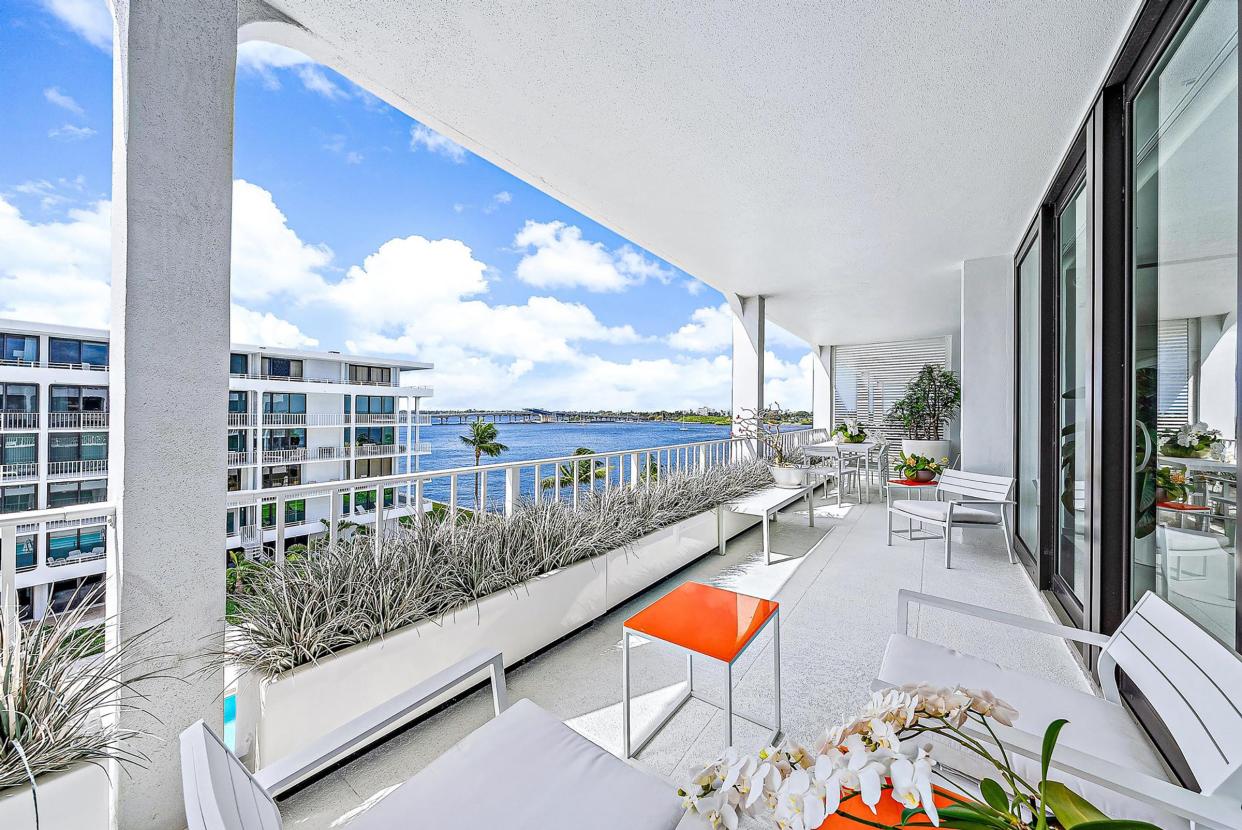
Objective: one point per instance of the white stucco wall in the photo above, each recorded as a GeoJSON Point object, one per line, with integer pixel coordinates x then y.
{"type": "Point", "coordinates": [987, 356]}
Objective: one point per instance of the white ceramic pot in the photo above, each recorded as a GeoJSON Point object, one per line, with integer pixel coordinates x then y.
{"type": "Point", "coordinates": [788, 476]}
{"type": "Point", "coordinates": [937, 450]}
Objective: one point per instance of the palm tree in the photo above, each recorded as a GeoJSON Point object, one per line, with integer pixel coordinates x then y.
{"type": "Point", "coordinates": [575, 472]}
{"type": "Point", "coordinates": [482, 439]}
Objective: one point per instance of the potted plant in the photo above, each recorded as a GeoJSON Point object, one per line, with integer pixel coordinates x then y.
{"type": "Point", "coordinates": [932, 400]}
{"type": "Point", "coordinates": [850, 431]}
{"type": "Point", "coordinates": [1171, 485]}
{"type": "Point", "coordinates": [918, 467]}
{"type": "Point", "coordinates": [1191, 441]}
{"type": "Point", "coordinates": [763, 427]}
{"type": "Point", "coordinates": [877, 771]}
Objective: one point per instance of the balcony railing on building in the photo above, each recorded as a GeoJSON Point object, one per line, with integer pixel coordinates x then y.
{"type": "Point", "coordinates": [19, 471]}
{"type": "Point", "coordinates": [394, 384]}
{"type": "Point", "coordinates": [19, 420]}
{"type": "Point", "coordinates": [77, 420]}
{"type": "Point", "coordinates": [69, 469]}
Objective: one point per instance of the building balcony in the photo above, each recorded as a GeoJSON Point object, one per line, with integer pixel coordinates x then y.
{"type": "Point", "coordinates": [324, 381]}
{"type": "Point", "coordinates": [19, 420]}
{"type": "Point", "coordinates": [24, 471]}
{"type": "Point", "coordinates": [73, 469]}
{"type": "Point", "coordinates": [77, 420]}
{"type": "Point", "coordinates": [288, 456]}
{"type": "Point", "coordinates": [369, 450]}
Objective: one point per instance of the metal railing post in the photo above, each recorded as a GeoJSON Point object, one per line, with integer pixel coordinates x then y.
{"type": "Point", "coordinates": [334, 517]}
{"type": "Point", "coordinates": [280, 531]}
{"type": "Point", "coordinates": [633, 471]}
{"type": "Point", "coordinates": [513, 483]}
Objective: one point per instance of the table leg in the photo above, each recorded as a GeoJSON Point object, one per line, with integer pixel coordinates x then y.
{"type": "Point", "coordinates": [839, 479]}
{"type": "Point", "coordinates": [776, 665]}
{"type": "Point", "coordinates": [625, 692]}
{"type": "Point", "coordinates": [720, 530]}
{"type": "Point", "coordinates": [690, 672]}
{"type": "Point", "coordinates": [767, 541]}
{"type": "Point", "coordinates": [810, 507]}
{"type": "Point", "coordinates": [728, 707]}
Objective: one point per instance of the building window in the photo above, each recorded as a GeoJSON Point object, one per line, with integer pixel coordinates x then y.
{"type": "Point", "coordinates": [1028, 398]}
{"type": "Point", "coordinates": [282, 367]}
{"type": "Point", "coordinates": [372, 467]}
{"type": "Point", "coordinates": [385, 436]}
{"type": "Point", "coordinates": [18, 498]}
{"type": "Point", "coordinates": [281, 476]}
{"type": "Point", "coordinates": [295, 513]}
{"type": "Point", "coordinates": [284, 403]}
{"type": "Point", "coordinates": [78, 446]}
{"type": "Point", "coordinates": [284, 439]}
{"type": "Point", "coordinates": [26, 552]}
{"type": "Point", "coordinates": [20, 449]}
{"type": "Point", "coordinates": [68, 493]}
{"type": "Point", "coordinates": [79, 399]}
{"type": "Point", "coordinates": [234, 481]}
{"type": "Point", "coordinates": [66, 546]}
{"type": "Point", "coordinates": [238, 364]}
{"type": "Point", "coordinates": [73, 593]}
{"type": "Point", "coordinates": [19, 397]}
{"type": "Point", "coordinates": [370, 374]}
{"type": "Point", "coordinates": [237, 440]}
{"type": "Point", "coordinates": [239, 402]}
{"type": "Point", "coordinates": [68, 352]}
{"type": "Point", "coordinates": [374, 405]}
{"type": "Point", "coordinates": [22, 349]}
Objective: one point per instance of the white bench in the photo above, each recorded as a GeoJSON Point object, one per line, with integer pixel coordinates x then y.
{"type": "Point", "coordinates": [976, 500]}
{"type": "Point", "coordinates": [1192, 682]}
{"type": "Point", "coordinates": [522, 769]}
{"type": "Point", "coordinates": [766, 503]}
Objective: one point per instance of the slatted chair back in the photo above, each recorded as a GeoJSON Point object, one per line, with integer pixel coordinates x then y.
{"type": "Point", "coordinates": [975, 486]}
{"type": "Point", "coordinates": [1192, 680]}
{"type": "Point", "coordinates": [219, 792]}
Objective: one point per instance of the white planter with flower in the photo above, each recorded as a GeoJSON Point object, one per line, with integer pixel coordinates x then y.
{"type": "Point", "coordinates": [78, 799]}
{"type": "Point", "coordinates": [1192, 441]}
{"type": "Point", "coordinates": [786, 463]}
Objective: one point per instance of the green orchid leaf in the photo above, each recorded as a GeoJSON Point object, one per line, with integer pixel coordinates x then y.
{"type": "Point", "coordinates": [1070, 808]}
{"type": "Point", "coordinates": [964, 818]}
{"type": "Point", "coordinates": [994, 795]}
{"type": "Point", "coordinates": [1050, 742]}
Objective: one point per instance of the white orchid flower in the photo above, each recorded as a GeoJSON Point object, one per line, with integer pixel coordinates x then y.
{"type": "Point", "coordinates": [717, 811]}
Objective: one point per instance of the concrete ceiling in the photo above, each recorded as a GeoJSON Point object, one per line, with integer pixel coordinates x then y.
{"type": "Point", "coordinates": [840, 157]}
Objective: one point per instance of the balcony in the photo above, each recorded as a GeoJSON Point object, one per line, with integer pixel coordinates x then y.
{"type": "Point", "coordinates": [25, 471]}
{"type": "Point", "coordinates": [19, 420]}
{"type": "Point", "coordinates": [325, 381]}
{"type": "Point", "coordinates": [370, 450]}
{"type": "Point", "coordinates": [74, 469]}
{"type": "Point", "coordinates": [77, 420]}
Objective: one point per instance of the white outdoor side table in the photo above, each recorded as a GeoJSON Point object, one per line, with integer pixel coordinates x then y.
{"type": "Point", "coordinates": [710, 622]}
{"type": "Point", "coordinates": [766, 503]}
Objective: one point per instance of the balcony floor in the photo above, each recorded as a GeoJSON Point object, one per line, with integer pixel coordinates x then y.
{"type": "Point", "coordinates": [837, 585]}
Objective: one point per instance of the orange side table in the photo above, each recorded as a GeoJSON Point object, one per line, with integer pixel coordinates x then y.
{"type": "Point", "coordinates": [713, 623]}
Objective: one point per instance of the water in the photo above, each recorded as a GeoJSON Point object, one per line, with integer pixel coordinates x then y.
{"type": "Point", "coordinates": [532, 441]}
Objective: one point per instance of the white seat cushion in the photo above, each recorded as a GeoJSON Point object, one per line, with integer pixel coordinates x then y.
{"type": "Point", "coordinates": [936, 511]}
{"type": "Point", "coordinates": [1096, 726]}
{"type": "Point", "coordinates": [527, 770]}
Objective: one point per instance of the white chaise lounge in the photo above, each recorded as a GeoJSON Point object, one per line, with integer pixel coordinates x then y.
{"type": "Point", "coordinates": [1192, 682]}
{"type": "Point", "coordinates": [973, 500]}
{"type": "Point", "coordinates": [523, 770]}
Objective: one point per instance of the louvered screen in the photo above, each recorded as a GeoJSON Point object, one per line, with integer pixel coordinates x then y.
{"type": "Point", "coordinates": [868, 379]}
{"type": "Point", "coordinates": [1173, 375]}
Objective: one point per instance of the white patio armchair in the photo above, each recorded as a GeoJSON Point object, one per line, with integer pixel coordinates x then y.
{"type": "Point", "coordinates": [974, 500]}
{"type": "Point", "coordinates": [1191, 681]}
{"type": "Point", "coordinates": [539, 773]}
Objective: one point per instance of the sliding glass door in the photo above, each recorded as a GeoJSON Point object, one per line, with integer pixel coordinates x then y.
{"type": "Point", "coordinates": [1072, 556]}
{"type": "Point", "coordinates": [1184, 173]}
{"type": "Point", "coordinates": [1028, 398]}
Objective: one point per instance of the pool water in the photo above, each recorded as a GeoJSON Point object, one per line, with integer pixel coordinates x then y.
{"type": "Point", "coordinates": [230, 722]}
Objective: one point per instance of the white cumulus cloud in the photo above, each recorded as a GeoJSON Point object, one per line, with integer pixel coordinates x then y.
{"type": "Point", "coordinates": [427, 139]}
{"type": "Point", "coordinates": [65, 102]}
{"type": "Point", "coordinates": [70, 132]}
{"type": "Point", "coordinates": [269, 258]}
{"type": "Point", "coordinates": [557, 256]}
{"type": "Point", "coordinates": [265, 329]}
{"type": "Point", "coordinates": [92, 19]}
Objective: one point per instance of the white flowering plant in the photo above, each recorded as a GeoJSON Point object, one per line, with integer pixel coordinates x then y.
{"type": "Point", "coordinates": [1190, 440]}
{"type": "Point", "coordinates": [883, 751]}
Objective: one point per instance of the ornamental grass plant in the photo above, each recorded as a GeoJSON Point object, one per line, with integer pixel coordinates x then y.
{"type": "Point", "coordinates": [339, 595]}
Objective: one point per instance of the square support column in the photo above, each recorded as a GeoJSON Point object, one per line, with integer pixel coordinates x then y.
{"type": "Point", "coordinates": [987, 365]}
{"type": "Point", "coordinates": [172, 191]}
{"type": "Point", "coordinates": [748, 346]}
{"type": "Point", "coordinates": [821, 387]}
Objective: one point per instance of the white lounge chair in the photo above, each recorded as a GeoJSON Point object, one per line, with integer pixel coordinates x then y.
{"type": "Point", "coordinates": [975, 500]}
{"type": "Point", "coordinates": [524, 769]}
{"type": "Point", "coordinates": [1191, 681]}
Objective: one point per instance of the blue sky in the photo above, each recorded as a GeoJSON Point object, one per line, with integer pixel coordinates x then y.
{"type": "Point", "coordinates": [356, 228]}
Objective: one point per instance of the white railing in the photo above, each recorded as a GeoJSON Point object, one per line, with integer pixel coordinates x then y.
{"type": "Point", "coordinates": [38, 521]}
{"type": "Point", "coordinates": [291, 456]}
{"type": "Point", "coordinates": [368, 450]}
{"type": "Point", "coordinates": [242, 459]}
{"type": "Point", "coordinates": [85, 367]}
{"type": "Point", "coordinates": [13, 472]}
{"type": "Point", "coordinates": [381, 419]}
{"type": "Point", "coordinates": [241, 419]}
{"type": "Point", "coordinates": [500, 487]}
{"type": "Point", "coordinates": [19, 420]}
{"type": "Point", "coordinates": [57, 469]}
{"type": "Point", "coordinates": [420, 447]}
{"type": "Point", "coordinates": [77, 420]}
{"type": "Point", "coordinates": [335, 381]}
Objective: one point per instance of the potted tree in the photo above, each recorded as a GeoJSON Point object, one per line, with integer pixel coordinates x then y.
{"type": "Point", "coordinates": [764, 428]}
{"type": "Point", "coordinates": [932, 400]}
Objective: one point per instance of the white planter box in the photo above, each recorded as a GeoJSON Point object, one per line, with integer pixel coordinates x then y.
{"type": "Point", "coordinates": [299, 706]}
{"type": "Point", "coordinates": [80, 799]}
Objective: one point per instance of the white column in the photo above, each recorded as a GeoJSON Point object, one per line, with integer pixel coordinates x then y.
{"type": "Point", "coordinates": [821, 388]}
{"type": "Point", "coordinates": [987, 365]}
{"type": "Point", "coordinates": [172, 203]}
{"type": "Point", "coordinates": [748, 345]}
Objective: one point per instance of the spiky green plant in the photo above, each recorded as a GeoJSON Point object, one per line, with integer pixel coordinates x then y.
{"type": "Point", "coordinates": [341, 595]}
{"type": "Point", "coordinates": [55, 681]}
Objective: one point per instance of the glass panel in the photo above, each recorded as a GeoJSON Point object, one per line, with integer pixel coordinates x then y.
{"type": "Point", "coordinates": [1185, 172]}
{"type": "Point", "coordinates": [295, 511]}
{"type": "Point", "coordinates": [364, 405]}
{"type": "Point", "coordinates": [25, 553]}
{"type": "Point", "coordinates": [297, 404]}
{"type": "Point", "coordinates": [63, 446]}
{"type": "Point", "coordinates": [389, 405]}
{"type": "Point", "coordinates": [64, 351]}
{"type": "Point", "coordinates": [17, 499]}
{"type": "Point", "coordinates": [1074, 269]}
{"type": "Point", "coordinates": [95, 354]}
{"type": "Point", "coordinates": [237, 402]}
{"type": "Point", "coordinates": [237, 440]}
{"type": "Point", "coordinates": [20, 348]}
{"type": "Point", "coordinates": [94, 399]}
{"type": "Point", "coordinates": [94, 446]}
{"type": "Point", "coordinates": [62, 494]}
{"type": "Point", "coordinates": [95, 490]}
{"type": "Point", "coordinates": [21, 397]}
{"type": "Point", "coordinates": [237, 364]}
{"type": "Point", "coordinates": [66, 399]}
{"type": "Point", "coordinates": [20, 449]}
{"type": "Point", "coordinates": [1028, 399]}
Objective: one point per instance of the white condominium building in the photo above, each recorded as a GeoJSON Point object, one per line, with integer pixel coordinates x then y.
{"type": "Point", "coordinates": [293, 417]}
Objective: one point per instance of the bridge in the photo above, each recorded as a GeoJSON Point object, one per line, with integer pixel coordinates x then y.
{"type": "Point", "coordinates": [524, 416]}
